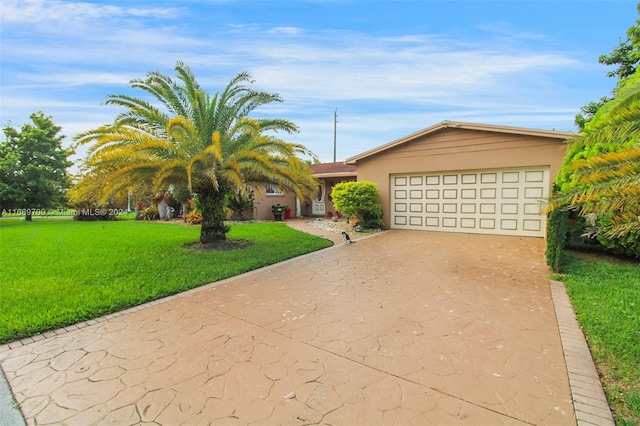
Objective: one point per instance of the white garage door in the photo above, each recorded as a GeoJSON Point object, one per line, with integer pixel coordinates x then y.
{"type": "Point", "coordinates": [501, 201]}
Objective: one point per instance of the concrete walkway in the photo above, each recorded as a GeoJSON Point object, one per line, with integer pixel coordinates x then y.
{"type": "Point", "coordinates": [401, 328]}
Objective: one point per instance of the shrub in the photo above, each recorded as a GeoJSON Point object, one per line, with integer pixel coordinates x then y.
{"type": "Point", "coordinates": [628, 245]}
{"type": "Point", "coordinates": [359, 199]}
{"type": "Point", "coordinates": [371, 221]}
{"type": "Point", "coordinates": [194, 217]}
{"type": "Point", "coordinates": [240, 204]}
{"type": "Point", "coordinates": [556, 238]}
{"type": "Point", "coordinates": [150, 213]}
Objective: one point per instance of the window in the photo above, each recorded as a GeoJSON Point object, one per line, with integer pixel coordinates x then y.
{"type": "Point", "coordinates": [273, 190]}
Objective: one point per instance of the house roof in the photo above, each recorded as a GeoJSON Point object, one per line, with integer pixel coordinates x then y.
{"type": "Point", "coordinates": [462, 125]}
{"type": "Point", "coordinates": [333, 169]}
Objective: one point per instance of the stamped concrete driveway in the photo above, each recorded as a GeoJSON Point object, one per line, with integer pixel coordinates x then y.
{"type": "Point", "coordinates": [403, 327]}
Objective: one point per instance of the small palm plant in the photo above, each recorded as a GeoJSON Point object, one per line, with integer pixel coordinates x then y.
{"type": "Point", "coordinates": [240, 203]}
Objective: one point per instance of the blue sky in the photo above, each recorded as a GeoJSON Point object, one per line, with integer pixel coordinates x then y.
{"type": "Point", "coordinates": [390, 68]}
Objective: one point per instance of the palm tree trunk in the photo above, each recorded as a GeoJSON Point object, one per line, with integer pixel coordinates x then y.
{"type": "Point", "coordinates": [212, 202]}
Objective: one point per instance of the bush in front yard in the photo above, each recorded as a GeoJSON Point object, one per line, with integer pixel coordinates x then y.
{"type": "Point", "coordinates": [556, 238]}
{"type": "Point", "coordinates": [358, 199]}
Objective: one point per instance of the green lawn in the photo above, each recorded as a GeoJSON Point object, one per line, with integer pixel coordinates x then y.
{"type": "Point", "coordinates": [606, 296]}
{"type": "Point", "coordinates": [56, 272]}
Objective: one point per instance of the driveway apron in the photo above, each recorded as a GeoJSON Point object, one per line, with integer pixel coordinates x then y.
{"type": "Point", "coordinates": [404, 327]}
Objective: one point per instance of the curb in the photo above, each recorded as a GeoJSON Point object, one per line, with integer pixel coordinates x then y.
{"type": "Point", "coordinates": [589, 400]}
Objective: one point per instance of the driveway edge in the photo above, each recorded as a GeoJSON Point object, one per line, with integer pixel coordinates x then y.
{"type": "Point", "coordinates": [10, 414]}
{"type": "Point", "coordinates": [589, 400]}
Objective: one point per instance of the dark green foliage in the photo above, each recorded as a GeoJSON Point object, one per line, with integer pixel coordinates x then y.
{"type": "Point", "coordinates": [576, 237]}
{"type": "Point", "coordinates": [626, 55]}
{"type": "Point", "coordinates": [178, 199]}
{"type": "Point", "coordinates": [371, 220]}
{"type": "Point", "coordinates": [588, 111]}
{"type": "Point", "coordinates": [33, 166]}
{"type": "Point", "coordinates": [627, 245]}
{"type": "Point", "coordinates": [240, 203]}
{"type": "Point", "coordinates": [211, 203]}
{"type": "Point", "coordinates": [556, 238]}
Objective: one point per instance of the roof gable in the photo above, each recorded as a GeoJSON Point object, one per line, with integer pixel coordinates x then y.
{"type": "Point", "coordinates": [561, 136]}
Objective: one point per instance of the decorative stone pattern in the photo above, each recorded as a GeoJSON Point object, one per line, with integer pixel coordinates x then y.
{"type": "Point", "coordinates": [405, 327]}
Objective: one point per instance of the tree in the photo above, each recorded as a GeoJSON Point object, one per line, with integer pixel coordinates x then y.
{"type": "Point", "coordinates": [627, 56]}
{"type": "Point", "coordinates": [604, 187]}
{"type": "Point", "coordinates": [33, 167]}
{"type": "Point", "coordinates": [207, 144]}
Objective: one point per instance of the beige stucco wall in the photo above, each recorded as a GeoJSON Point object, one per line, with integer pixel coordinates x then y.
{"type": "Point", "coordinates": [263, 202]}
{"type": "Point", "coordinates": [459, 149]}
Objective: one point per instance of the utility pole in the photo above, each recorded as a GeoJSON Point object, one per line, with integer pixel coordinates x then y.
{"type": "Point", "coordinates": [335, 125]}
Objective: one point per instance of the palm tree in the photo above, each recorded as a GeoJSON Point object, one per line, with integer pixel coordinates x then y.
{"type": "Point", "coordinates": [206, 144]}
{"type": "Point", "coordinates": [607, 191]}
{"type": "Point", "coordinates": [606, 188]}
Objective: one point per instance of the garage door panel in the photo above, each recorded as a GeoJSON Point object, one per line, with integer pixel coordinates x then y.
{"type": "Point", "coordinates": [500, 201]}
{"type": "Point", "coordinates": [487, 208]}
{"type": "Point", "coordinates": [415, 180]}
{"type": "Point", "coordinates": [509, 208]}
{"type": "Point", "coordinates": [487, 224]}
{"type": "Point", "coordinates": [469, 179]}
{"type": "Point", "coordinates": [449, 222]}
{"type": "Point", "coordinates": [488, 193]}
{"type": "Point", "coordinates": [468, 208]}
{"type": "Point", "coordinates": [510, 193]}
{"type": "Point", "coordinates": [508, 224]}
{"type": "Point", "coordinates": [488, 178]}
{"type": "Point", "coordinates": [534, 176]}
{"type": "Point", "coordinates": [415, 220]}
{"type": "Point", "coordinates": [532, 208]}
{"type": "Point", "coordinates": [449, 208]}
{"type": "Point", "coordinates": [533, 192]}
{"type": "Point", "coordinates": [532, 225]}
{"type": "Point", "coordinates": [466, 222]}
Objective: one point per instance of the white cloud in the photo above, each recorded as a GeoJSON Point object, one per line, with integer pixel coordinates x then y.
{"type": "Point", "coordinates": [65, 57]}
{"type": "Point", "coordinates": [52, 11]}
{"type": "Point", "coordinates": [285, 30]}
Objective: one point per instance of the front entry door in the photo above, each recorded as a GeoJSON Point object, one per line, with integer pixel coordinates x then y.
{"type": "Point", "coordinates": [318, 201]}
